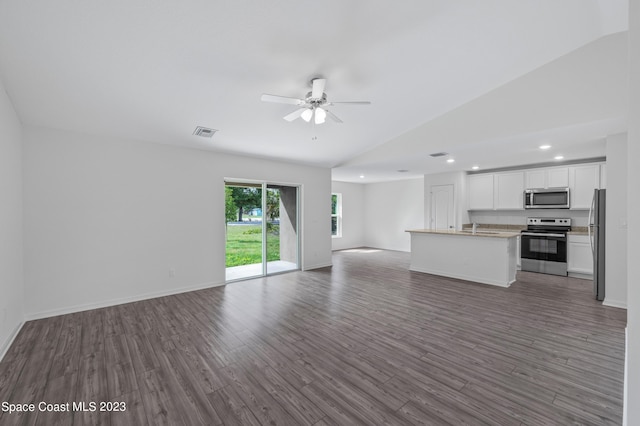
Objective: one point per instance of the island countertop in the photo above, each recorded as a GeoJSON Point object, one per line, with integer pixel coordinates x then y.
{"type": "Point", "coordinates": [467, 233]}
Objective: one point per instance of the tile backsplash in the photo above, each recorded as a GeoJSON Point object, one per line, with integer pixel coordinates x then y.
{"type": "Point", "coordinates": [579, 217]}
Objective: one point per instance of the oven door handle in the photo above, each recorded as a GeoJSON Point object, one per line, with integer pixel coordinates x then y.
{"type": "Point", "coordinates": [538, 234]}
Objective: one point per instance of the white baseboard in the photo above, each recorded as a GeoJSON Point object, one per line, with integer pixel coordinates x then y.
{"type": "Point", "coordinates": [310, 267]}
{"type": "Point", "coordinates": [581, 275]}
{"type": "Point", "coordinates": [120, 301]}
{"type": "Point", "coordinates": [7, 344]}
{"type": "Point", "coordinates": [625, 391]}
{"type": "Point", "coordinates": [614, 303]}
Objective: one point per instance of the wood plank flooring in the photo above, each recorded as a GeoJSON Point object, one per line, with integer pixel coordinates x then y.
{"type": "Point", "coordinates": [366, 342]}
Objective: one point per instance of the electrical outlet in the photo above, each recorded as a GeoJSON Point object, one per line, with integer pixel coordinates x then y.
{"type": "Point", "coordinates": [172, 272]}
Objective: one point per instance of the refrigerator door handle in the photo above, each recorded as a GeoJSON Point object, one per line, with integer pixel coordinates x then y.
{"type": "Point", "coordinates": [589, 224]}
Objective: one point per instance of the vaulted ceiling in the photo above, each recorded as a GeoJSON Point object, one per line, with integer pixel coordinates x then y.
{"type": "Point", "coordinates": [485, 80]}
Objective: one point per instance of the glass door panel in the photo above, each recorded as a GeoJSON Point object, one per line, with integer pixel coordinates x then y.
{"type": "Point", "coordinates": [244, 230]}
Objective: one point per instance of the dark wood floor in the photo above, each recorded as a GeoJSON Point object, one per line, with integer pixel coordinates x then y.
{"type": "Point", "coordinates": [365, 342]}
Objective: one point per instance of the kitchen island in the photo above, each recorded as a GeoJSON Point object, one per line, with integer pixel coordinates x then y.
{"type": "Point", "coordinates": [486, 257]}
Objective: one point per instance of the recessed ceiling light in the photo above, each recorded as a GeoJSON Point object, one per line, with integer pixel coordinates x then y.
{"type": "Point", "coordinates": [361, 176]}
{"type": "Point", "coordinates": [544, 146]}
{"type": "Point", "coordinates": [558, 157]}
{"type": "Point", "coordinates": [403, 171]}
{"type": "Point", "coordinates": [450, 160]}
{"type": "Point", "coordinates": [475, 168]}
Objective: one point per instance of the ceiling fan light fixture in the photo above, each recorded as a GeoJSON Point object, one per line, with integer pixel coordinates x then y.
{"type": "Point", "coordinates": [321, 115]}
{"type": "Point", "coordinates": [306, 116]}
{"type": "Point", "coordinates": [312, 105]}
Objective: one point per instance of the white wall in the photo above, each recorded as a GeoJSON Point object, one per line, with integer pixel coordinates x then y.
{"type": "Point", "coordinates": [352, 215]}
{"type": "Point", "coordinates": [616, 225]}
{"type": "Point", "coordinates": [105, 219]}
{"type": "Point", "coordinates": [632, 372]}
{"type": "Point", "coordinates": [458, 180]}
{"type": "Point", "coordinates": [11, 276]}
{"type": "Point", "coordinates": [390, 209]}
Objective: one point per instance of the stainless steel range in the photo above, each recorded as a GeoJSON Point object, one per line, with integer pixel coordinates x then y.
{"type": "Point", "coordinates": [543, 245]}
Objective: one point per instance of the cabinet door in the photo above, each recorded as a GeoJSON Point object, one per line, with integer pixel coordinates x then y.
{"type": "Point", "coordinates": [582, 181]}
{"type": "Point", "coordinates": [481, 192]}
{"type": "Point", "coordinates": [508, 191]}
{"type": "Point", "coordinates": [558, 177]}
{"type": "Point", "coordinates": [535, 179]}
{"type": "Point", "coordinates": [579, 255]}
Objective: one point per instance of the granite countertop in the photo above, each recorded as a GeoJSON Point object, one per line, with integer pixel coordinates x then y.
{"type": "Point", "coordinates": [575, 230]}
{"type": "Point", "coordinates": [481, 232]}
{"type": "Point", "coordinates": [496, 227]}
{"type": "Point", "coordinates": [579, 230]}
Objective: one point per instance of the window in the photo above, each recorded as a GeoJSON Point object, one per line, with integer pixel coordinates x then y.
{"type": "Point", "coordinates": [336, 215]}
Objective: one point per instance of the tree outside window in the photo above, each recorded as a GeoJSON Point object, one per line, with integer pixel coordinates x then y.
{"type": "Point", "coordinates": [336, 215]}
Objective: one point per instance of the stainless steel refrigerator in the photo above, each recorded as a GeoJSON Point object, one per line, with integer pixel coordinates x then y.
{"type": "Point", "coordinates": [597, 215]}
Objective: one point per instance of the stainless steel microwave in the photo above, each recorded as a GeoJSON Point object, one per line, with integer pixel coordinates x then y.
{"type": "Point", "coordinates": [546, 198]}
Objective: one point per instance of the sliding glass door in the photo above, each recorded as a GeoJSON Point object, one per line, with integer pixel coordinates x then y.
{"type": "Point", "coordinates": [261, 229]}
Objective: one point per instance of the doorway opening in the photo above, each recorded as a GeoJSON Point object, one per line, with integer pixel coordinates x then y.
{"type": "Point", "coordinates": [262, 225]}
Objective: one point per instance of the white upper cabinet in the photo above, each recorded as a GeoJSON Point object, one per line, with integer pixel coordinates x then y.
{"type": "Point", "coordinates": [481, 192]}
{"type": "Point", "coordinates": [504, 190]}
{"type": "Point", "coordinates": [553, 177]}
{"type": "Point", "coordinates": [508, 191]}
{"type": "Point", "coordinates": [583, 179]}
{"type": "Point", "coordinates": [536, 178]}
{"type": "Point", "coordinates": [603, 176]}
{"type": "Point", "coordinates": [558, 177]}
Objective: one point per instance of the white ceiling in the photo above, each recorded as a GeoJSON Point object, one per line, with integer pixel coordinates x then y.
{"type": "Point", "coordinates": [155, 70]}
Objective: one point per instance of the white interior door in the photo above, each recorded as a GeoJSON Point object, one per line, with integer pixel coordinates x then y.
{"type": "Point", "coordinates": [442, 214]}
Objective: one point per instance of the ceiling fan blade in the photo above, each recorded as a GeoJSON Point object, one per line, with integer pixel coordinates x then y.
{"type": "Point", "coordinates": [281, 99]}
{"type": "Point", "coordinates": [295, 114]}
{"type": "Point", "coordinates": [333, 116]}
{"type": "Point", "coordinates": [350, 103]}
{"type": "Point", "coordinates": [318, 88]}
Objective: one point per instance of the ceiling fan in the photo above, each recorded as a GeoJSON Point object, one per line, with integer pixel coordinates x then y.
{"type": "Point", "coordinates": [314, 105]}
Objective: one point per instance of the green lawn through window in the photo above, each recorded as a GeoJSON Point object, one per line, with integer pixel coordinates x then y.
{"type": "Point", "coordinates": [244, 244]}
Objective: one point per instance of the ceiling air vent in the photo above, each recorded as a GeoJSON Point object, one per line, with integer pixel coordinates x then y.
{"type": "Point", "coordinates": [205, 132]}
{"type": "Point", "coordinates": [438, 154]}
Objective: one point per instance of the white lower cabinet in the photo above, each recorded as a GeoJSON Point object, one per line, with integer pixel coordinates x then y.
{"type": "Point", "coordinates": [579, 256]}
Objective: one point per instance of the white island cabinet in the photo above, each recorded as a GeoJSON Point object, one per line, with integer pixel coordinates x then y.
{"type": "Point", "coordinates": [484, 257]}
